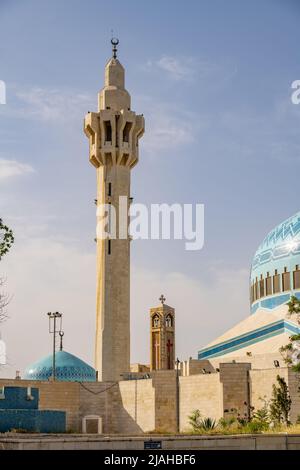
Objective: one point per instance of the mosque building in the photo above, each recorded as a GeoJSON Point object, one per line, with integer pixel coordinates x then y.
{"type": "Point", "coordinates": [274, 278]}
{"type": "Point", "coordinates": [233, 372]}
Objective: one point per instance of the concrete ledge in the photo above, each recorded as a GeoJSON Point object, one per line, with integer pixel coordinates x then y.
{"type": "Point", "coordinates": [186, 442]}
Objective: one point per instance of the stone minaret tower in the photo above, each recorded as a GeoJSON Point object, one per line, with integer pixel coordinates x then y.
{"type": "Point", "coordinates": [113, 132]}
{"type": "Point", "coordinates": [162, 336]}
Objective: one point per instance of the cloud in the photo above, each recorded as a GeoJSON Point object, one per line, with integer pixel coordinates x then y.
{"type": "Point", "coordinates": [176, 69]}
{"type": "Point", "coordinates": [184, 68]}
{"type": "Point", "coordinates": [167, 130]}
{"type": "Point", "coordinates": [12, 168]}
{"type": "Point", "coordinates": [49, 105]}
{"type": "Point", "coordinates": [168, 126]}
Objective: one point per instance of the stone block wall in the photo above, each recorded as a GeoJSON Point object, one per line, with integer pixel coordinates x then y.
{"type": "Point", "coordinates": [202, 392]}
{"type": "Point", "coordinates": [133, 403]}
{"type": "Point", "coordinates": [164, 383]}
{"type": "Point", "coordinates": [235, 389]}
{"type": "Point", "coordinates": [137, 406]}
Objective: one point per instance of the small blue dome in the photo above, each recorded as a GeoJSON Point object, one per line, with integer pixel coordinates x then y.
{"type": "Point", "coordinates": [275, 270]}
{"type": "Point", "coordinates": [68, 368]}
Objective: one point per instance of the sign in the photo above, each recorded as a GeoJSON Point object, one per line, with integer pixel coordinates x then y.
{"type": "Point", "coordinates": [152, 444]}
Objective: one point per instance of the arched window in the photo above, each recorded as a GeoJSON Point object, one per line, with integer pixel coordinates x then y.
{"type": "Point", "coordinates": [155, 321]}
{"type": "Point", "coordinates": [168, 321]}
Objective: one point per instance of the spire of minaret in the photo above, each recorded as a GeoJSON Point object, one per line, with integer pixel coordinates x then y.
{"type": "Point", "coordinates": [114, 95]}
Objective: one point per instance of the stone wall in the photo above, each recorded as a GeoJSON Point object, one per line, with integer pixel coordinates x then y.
{"type": "Point", "coordinates": [133, 406]}
{"type": "Point", "coordinates": [202, 392]}
{"type": "Point", "coordinates": [139, 406]}
{"type": "Point", "coordinates": [235, 389]}
{"type": "Point", "coordinates": [261, 383]}
{"type": "Point", "coordinates": [164, 383]}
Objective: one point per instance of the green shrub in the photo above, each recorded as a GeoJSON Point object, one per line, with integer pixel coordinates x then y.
{"type": "Point", "coordinates": [208, 424]}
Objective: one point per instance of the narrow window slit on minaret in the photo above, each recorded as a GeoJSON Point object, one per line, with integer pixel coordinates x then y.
{"type": "Point", "coordinates": [126, 131]}
{"type": "Point", "coordinates": [109, 247]}
{"type": "Point", "coordinates": [109, 189]}
{"type": "Point", "coordinates": [107, 127]}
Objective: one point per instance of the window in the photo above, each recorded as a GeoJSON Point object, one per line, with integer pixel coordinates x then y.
{"type": "Point", "coordinates": [109, 189]}
{"type": "Point", "coordinates": [268, 285]}
{"type": "Point", "coordinates": [296, 275]}
{"type": "Point", "coordinates": [252, 294]}
{"type": "Point", "coordinates": [155, 321]}
{"type": "Point", "coordinates": [261, 287]}
{"type": "Point", "coordinates": [286, 281]}
{"type": "Point", "coordinates": [107, 128]}
{"type": "Point", "coordinates": [126, 131]}
{"type": "Point", "coordinates": [168, 321]}
{"type": "Point", "coordinates": [256, 290]}
{"type": "Point", "coordinates": [276, 283]}
{"type": "Point", "coordinates": [109, 247]}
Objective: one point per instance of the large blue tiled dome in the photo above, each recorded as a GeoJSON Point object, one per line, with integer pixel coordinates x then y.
{"type": "Point", "coordinates": [68, 368]}
{"type": "Point", "coordinates": [275, 270]}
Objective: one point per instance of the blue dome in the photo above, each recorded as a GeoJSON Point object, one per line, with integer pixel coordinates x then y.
{"type": "Point", "coordinates": [275, 267]}
{"type": "Point", "coordinates": [68, 368]}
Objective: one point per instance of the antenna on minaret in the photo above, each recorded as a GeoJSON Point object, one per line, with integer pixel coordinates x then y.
{"type": "Point", "coordinates": [114, 42]}
{"type": "Point", "coordinates": [61, 334]}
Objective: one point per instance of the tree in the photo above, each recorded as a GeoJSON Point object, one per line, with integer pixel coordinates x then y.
{"type": "Point", "coordinates": [6, 241]}
{"type": "Point", "coordinates": [195, 420]}
{"type": "Point", "coordinates": [294, 307]}
{"type": "Point", "coordinates": [4, 301]}
{"type": "Point", "coordinates": [291, 351]}
{"type": "Point", "coordinates": [280, 404]}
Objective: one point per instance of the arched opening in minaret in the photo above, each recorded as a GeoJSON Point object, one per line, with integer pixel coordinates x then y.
{"type": "Point", "coordinates": [126, 131]}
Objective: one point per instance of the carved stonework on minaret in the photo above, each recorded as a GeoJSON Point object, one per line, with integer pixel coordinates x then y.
{"type": "Point", "coordinates": [162, 336]}
{"type": "Point", "coordinates": [113, 133]}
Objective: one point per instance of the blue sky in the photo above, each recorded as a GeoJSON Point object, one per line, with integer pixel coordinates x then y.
{"type": "Point", "coordinates": [213, 80]}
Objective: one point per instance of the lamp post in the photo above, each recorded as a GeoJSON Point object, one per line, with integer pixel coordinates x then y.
{"type": "Point", "coordinates": [177, 362]}
{"type": "Point", "coordinates": [54, 317]}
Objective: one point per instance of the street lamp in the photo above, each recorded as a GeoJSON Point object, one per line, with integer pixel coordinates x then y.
{"type": "Point", "coordinates": [177, 362]}
{"type": "Point", "coordinates": [54, 317]}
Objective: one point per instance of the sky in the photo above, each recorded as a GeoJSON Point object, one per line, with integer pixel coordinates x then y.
{"type": "Point", "coordinates": [213, 80]}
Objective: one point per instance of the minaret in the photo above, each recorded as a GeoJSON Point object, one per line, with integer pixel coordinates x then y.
{"type": "Point", "coordinates": [113, 132]}
{"type": "Point", "coordinates": [162, 336]}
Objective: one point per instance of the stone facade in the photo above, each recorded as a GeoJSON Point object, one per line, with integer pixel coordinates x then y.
{"type": "Point", "coordinates": [150, 404]}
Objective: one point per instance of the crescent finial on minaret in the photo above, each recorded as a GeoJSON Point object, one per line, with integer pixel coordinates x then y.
{"type": "Point", "coordinates": [114, 42]}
